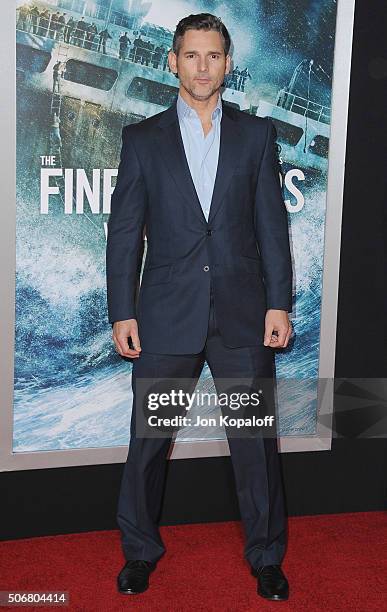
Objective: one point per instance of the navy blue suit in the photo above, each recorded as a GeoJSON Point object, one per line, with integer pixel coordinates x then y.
{"type": "Point", "coordinates": [205, 290]}
{"type": "Point", "coordinates": [243, 249]}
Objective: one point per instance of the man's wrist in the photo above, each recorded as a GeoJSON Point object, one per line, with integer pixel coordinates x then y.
{"type": "Point", "coordinates": [284, 309]}
{"type": "Point", "coordinates": [123, 320]}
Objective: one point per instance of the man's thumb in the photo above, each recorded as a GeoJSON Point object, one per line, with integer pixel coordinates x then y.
{"type": "Point", "coordinates": [267, 338]}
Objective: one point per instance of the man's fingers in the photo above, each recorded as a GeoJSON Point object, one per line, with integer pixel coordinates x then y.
{"type": "Point", "coordinates": [136, 340]}
{"type": "Point", "coordinates": [268, 333]}
{"type": "Point", "coordinates": [122, 345]}
{"type": "Point", "coordinates": [282, 336]}
{"type": "Point", "coordinates": [277, 340]}
{"type": "Point", "coordinates": [123, 349]}
{"type": "Point", "coordinates": [123, 331]}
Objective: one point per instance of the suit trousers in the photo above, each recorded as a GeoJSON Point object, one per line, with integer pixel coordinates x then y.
{"type": "Point", "coordinates": [255, 459]}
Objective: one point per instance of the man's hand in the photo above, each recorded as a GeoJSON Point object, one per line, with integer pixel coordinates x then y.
{"type": "Point", "coordinates": [277, 321]}
{"type": "Point", "coordinates": [122, 330]}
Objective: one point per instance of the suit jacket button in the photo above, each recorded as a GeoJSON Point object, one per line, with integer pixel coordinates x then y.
{"type": "Point", "coordinates": [209, 232]}
{"type": "Point", "coordinates": [206, 268]}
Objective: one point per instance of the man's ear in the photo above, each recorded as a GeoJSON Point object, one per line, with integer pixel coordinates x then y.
{"type": "Point", "coordinates": [172, 61]}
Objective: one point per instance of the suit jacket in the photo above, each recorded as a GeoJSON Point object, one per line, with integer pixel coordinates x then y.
{"type": "Point", "coordinates": [243, 250]}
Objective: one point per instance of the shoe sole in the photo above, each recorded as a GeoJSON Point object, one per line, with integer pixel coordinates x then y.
{"type": "Point", "coordinates": [131, 592]}
{"type": "Point", "coordinates": [274, 598]}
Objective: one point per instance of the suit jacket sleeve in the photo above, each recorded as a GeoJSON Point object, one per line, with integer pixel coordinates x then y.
{"type": "Point", "coordinates": [125, 234]}
{"type": "Point", "coordinates": [271, 228]}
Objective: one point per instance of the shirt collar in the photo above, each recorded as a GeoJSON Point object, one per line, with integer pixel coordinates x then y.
{"type": "Point", "coordinates": [184, 110]}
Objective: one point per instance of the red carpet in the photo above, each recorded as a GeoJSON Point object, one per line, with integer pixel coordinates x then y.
{"type": "Point", "coordinates": [333, 562]}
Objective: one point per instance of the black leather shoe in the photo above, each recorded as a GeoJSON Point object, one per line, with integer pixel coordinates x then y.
{"type": "Point", "coordinates": [134, 577]}
{"type": "Point", "coordinates": [272, 583]}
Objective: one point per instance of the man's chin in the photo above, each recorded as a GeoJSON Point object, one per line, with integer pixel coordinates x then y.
{"type": "Point", "coordinates": [202, 94]}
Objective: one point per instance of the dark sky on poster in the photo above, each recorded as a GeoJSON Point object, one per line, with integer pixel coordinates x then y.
{"type": "Point", "coordinates": [282, 32]}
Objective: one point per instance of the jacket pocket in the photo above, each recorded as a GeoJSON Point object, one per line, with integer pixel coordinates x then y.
{"type": "Point", "coordinates": [251, 264]}
{"type": "Point", "coordinates": [156, 275]}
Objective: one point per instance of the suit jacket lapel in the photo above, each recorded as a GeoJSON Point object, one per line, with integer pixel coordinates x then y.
{"type": "Point", "coordinates": [171, 147]}
{"type": "Point", "coordinates": [230, 140]}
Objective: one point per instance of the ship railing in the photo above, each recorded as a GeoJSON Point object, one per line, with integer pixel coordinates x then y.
{"type": "Point", "coordinates": [52, 29]}
{"type": "Point", "coordinates": [303, 106]}
{"type": "Point", "coordinates": [90, 10]}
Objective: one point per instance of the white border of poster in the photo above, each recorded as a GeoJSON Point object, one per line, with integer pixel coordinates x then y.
{"type": "Point", "coordinates": [322, 439]}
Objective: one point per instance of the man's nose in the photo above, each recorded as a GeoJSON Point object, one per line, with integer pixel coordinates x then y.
{"type": "Point", "coordinates": [202, 64]}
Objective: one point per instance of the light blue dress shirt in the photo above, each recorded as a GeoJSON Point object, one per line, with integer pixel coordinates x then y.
{"type": "Point", "coordinates": [202, 152]}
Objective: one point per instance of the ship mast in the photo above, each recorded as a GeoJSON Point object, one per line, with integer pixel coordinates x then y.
{"type": "Point", "coordinates": [296, 72]}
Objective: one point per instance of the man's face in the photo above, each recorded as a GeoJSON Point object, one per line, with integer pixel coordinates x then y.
{"type": "Point", "coordinates": [201, 63]}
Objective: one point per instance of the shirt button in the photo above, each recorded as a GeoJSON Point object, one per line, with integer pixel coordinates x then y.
{"type": "Point", "coordinates": [206, 268]}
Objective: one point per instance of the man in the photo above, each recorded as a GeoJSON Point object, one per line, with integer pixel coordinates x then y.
{"type": "Point", "coordinates": [90, 35]}
{"type": "Point", "coordinates": [157, 55]}
{"type": "Point", "coordinates": [35, 14]}
{"type": "Point", "coordinates": [103, 38]}
{"type": "Point", "coordinates": [148, 50]}
{"type": "Point", "coordinates": [235, 78]}
{"type": "Point", "coordinates": [57, 74]}
{"type": "Point", "coordinates": [61, 23]}
{"type": "Point", "coordinates": [139, 47]}
{"type": "Point", "coordinates": [22, 22]}
{"type": "Point", "coordinates": [80, 32]}
{"type": "Point", "coordinates": [44, 23]}
{"type": "Point", "coordinates": [124, 45]}
{"type": "Point", "coordinates": [244, 75]}
{"type": "Point", "coordinates": [203, 178]}
{"type": "Point", "coordinates": [54, 24]}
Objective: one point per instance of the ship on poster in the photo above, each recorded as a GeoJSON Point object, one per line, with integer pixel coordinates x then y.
{"type": "Point", "coordinates": [84, 70]}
